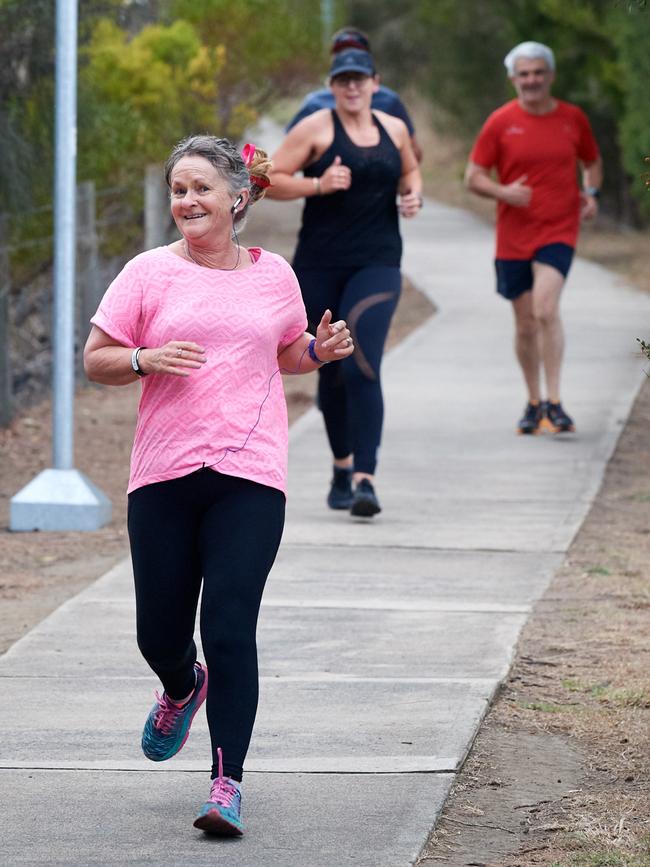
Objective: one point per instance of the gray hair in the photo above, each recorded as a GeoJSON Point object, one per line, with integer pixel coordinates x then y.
{"type": "Point", "coordinates": [531, 51]}
{"type": "Point", "coordinates": [223, 155]}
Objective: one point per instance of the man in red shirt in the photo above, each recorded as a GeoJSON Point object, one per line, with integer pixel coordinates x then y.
{"type": "Point", "coordinates": [536, 144]}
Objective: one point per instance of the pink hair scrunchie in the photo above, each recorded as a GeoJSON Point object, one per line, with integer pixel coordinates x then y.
{"type": "Point", "coordinates": [248, 152]}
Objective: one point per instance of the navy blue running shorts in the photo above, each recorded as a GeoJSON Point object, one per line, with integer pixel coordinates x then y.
{"type": "Point", "coordinates": [515, 276]}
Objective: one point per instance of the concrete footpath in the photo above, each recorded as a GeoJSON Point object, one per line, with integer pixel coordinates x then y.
{"type": "Point", "coordinates": [381, 644]}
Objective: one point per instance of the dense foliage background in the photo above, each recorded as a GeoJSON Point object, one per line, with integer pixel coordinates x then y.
{"type": "Point", "coordinates": [151, 71]}
{"type": "Point", "coordinates": [452, 51]}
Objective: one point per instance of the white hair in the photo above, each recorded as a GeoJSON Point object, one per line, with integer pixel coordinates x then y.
{"type": "Point", "coordinates": [531, 51]}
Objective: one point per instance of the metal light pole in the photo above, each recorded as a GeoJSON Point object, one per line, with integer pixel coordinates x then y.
{"type": "Point", "coordinates": [62, 498]}
{"type": "Point", "coordinates": [65, 185]}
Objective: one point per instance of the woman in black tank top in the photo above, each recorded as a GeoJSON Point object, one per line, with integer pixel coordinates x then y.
{"type": "Point", "coordinates": [355, 165]}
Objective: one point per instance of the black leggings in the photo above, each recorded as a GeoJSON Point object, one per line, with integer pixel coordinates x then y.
{"type": "Point", "coordinates": [349, 392]}
{"type": "Point", "coordinates": [224, 532]}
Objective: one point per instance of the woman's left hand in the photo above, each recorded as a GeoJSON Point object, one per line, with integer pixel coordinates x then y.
{"type": "Point", "coordinates": [333, 341]}
{"type": "Point", "coordinates": [410, 204]}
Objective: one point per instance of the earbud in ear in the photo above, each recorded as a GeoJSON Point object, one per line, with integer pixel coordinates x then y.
{"type": "Point", "coordinates": [237, 201]}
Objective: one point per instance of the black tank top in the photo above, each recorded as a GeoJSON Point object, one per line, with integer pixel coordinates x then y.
{"type": "Point", "coordinates": [359, 226]}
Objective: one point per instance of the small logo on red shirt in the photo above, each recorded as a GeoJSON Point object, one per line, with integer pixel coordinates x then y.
{"type": "Point", "coordinates": [515, 130]}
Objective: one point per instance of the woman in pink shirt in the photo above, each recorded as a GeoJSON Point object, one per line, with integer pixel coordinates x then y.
{"type": "Point", "coordinates": [209, 326]}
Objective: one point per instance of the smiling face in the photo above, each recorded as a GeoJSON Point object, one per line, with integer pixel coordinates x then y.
{"type": "Point", "coordinates": [200, 200]}
{"type": "Point", "coordinates": [353, 90]}
{"type": "Point", "coordinates": [532, 80]}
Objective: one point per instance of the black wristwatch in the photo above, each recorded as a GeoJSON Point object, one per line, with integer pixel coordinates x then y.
{"type": "Point", "coordinates": [592, 191]}
{"type": "Point", "coordinates": [134, 361]}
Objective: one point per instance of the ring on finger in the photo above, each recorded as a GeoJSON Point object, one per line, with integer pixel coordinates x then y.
{"type": "Point", "coordinates": [179, 353]}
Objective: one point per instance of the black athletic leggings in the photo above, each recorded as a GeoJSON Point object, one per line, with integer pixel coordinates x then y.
{"type": "Point", "coordinates": [223, 532]}
{"type": "Point", "coordinates": [349, 392]}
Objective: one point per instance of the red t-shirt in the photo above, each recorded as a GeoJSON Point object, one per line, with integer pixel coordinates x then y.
{"type": "Point", "coordinates": [545, 147]}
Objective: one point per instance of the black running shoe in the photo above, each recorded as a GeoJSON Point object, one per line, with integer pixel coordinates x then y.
{"type": "Point", "coordinates": [557, 419]}
{"type": "Point", "coordinates": [340, 495]}
{"type": "Point", "coordinates": [364, 500]}
{"type": "Point", "coordinates": [530, 421]}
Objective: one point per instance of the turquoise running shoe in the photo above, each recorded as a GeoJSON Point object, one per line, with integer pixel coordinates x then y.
{"type": "Point", "coordinates": [221, 813]}
{"type": "Point", "coordinates": [168, 725]}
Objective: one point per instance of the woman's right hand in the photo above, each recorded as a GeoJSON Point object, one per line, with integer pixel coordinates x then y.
{"type": "Point", "coordinates": [336, 177]}
{"type": "Point", "coordinates": [178, 357]}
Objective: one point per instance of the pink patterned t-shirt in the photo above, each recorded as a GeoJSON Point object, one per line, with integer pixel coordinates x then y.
{"type": "Point", "coordinates": [231, 414]}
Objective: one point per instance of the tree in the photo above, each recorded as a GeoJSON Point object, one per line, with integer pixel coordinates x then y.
{"type": "Point", "coordinates": [269, 47]}
{"type": "Point", "coordinates": [139, 95]}
{"type": "Point", "coordinates": [632, 36]}
{"type": "Point", "coordinates": [27, 32]}
{"type": "Point", "coordinates": [454, 52]}
{"type": "Point", "coordinates": [150, 72]}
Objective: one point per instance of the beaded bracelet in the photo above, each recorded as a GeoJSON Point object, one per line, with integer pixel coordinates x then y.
{"type": "Point", "coordinates": [312, 353]}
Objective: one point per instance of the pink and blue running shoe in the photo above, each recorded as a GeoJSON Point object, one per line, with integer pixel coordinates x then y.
{"type": "Point", "coordinates": [168, 725]}
{"type": "Point", "coordinates": [221, 813]}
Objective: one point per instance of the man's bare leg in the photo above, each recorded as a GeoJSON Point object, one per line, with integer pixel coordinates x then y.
{"type": "Point", "coordinates": [547, 289]}
{"type": "Point", "coordinates": [526, 344]}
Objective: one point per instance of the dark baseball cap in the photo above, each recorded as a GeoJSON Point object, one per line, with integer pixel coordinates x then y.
{"type": "Point", "coordinates": [349, 38]}
{"type": "Point", "coordinates": [352, 60]}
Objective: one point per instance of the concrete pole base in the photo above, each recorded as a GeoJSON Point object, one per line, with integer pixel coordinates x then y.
{"type": "Point", "coordinates": [59, 500]}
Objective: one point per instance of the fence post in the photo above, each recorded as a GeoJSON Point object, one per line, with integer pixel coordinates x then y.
{"type": "Point", "coordinates": [88, 287]}
{"type": "Point", "coordinates": [5, 356]}
{"type": "Point", "coordinates": [156, 207]}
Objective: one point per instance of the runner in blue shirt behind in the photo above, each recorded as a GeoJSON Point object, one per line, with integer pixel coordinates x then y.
{"type": "Point", "coordinates": [384, 99]}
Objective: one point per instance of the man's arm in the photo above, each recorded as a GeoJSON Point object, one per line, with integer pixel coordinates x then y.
{"type": "Point", "coordinates": [592, 179]}
{"type": "Point", "coordinates": [592, 174]}
{"type": "Point", "coordinates": [479, 181]}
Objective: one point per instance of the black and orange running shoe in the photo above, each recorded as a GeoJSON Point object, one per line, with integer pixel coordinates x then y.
{"type": "Point", "coordinates": [531, 419]}
{"type": "Point", "coordinates": [557, 419]}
